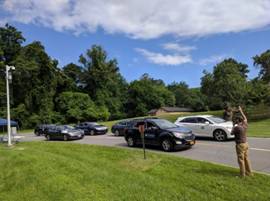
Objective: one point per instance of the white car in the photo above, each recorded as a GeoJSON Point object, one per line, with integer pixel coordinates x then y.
{"type": "Point", "coordinates": [207, 126]}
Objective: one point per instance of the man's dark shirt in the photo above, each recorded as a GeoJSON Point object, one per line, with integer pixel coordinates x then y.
{"type": "Point", "coordinates": [240, 133]}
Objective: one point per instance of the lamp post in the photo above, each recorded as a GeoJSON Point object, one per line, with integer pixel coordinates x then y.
{"type": "Point", "coordinates": [8, 77]}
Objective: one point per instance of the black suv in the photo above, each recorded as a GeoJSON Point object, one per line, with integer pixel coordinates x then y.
{"type": "Point", "coordinates": [92, 128]}
{"type": "Point", "coordinates": [159, 132]}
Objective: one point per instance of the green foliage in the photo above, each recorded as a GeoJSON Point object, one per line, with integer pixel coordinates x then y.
{"type": "Point", "coordinates": [263, 62]}
{"type": "Point", "coordinates": [10, 43]}
{"type": "Point", "coordinates": [227, 83]}
{"type": "Point", "coordinates": [189, 98]}
{"type": "Point", "coordinates": [78, 107]}
{"type": "Point", "coordinates": [146, 94]}
{"type": "Point", "coordinates": [103, 81]}
{"type": "Point", "coordinates": [258, 93]}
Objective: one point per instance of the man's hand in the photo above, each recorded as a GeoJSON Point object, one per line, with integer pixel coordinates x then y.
{"type": "Point", "coordinates": [240, 109]}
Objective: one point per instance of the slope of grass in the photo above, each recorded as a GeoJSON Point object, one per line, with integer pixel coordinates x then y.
{"type": "Point", "coordinates": [259, 128]}
{"type": "Point", "coordinates": [65, 171]}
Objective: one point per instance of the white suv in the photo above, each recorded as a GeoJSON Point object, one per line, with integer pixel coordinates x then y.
{"type": "Point", "coordinates": [207, 126]}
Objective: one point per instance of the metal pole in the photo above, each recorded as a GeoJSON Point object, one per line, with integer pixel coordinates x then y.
{"type": "Point", "coordinates": [144, 156]}
{"type": "Point", "coordinates": [8, 107]}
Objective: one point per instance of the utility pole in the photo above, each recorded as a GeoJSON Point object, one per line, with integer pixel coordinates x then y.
{"type": "Point", "coordinates": [8, 77]}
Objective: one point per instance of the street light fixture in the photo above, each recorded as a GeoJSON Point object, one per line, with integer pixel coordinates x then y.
{"type": "Point", "coordinates": [8, 77]}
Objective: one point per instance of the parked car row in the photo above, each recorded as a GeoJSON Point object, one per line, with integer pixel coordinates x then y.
{"type": "Point", "coordinates": [67, 132]}
{"type": "Point", "coordinates": [157, 132]}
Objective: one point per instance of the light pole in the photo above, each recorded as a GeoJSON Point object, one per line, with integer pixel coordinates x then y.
{"type": "Point", "coordinates": [8, 77]}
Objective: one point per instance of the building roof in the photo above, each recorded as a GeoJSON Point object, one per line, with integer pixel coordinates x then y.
{"type": "Point", "coordinates": [152, 111]}
{"type": "Point", "coordinates": [177, 109]}
{"type": "Point", "coordinates": [172, 109]}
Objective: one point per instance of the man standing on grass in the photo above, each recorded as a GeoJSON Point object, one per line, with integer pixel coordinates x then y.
{"type": "Point", "coordinates": [240, 132]}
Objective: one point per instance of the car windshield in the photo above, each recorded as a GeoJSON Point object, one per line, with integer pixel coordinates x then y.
{"type": "Point", "coordinates": [94, 124]}
{"type": "Point", "coordinates": [164, 124]}
{"type": "Point", "coordinates": [216, 119]}
{"type": "Point", "coordinates": [68, 127]}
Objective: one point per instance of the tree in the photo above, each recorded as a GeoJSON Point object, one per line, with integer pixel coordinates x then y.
{"type": "Point", "coordinates": [182, 94]}
{"type": "Point", "coordinates": [146, 94]}
{"type": "Point", "coordinates": [73, 71]}
{"type": "Point", "coordinates": [103, 82]}
{"type": "Point", "coordinates": [10, 43]}
{"type": "Point", "coordinates": [263, 62]}
{"type": "Point", "coordinates": [227, 83]}
{"type": "Point", "coordinates": [77, 107]}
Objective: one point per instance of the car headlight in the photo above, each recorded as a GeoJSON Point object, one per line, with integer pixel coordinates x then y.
{"type": "Point", "coordinates": [179, 135]}
{"type": "Point", "coordinates": [64, 131]}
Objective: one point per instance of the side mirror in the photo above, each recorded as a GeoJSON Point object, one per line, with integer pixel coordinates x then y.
{"type": "Point", "coordinates": [207, 122]}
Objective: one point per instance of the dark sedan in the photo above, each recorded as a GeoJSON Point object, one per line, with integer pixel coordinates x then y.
{"type": "Point", "coordinates": [40, 129]}
{"type": "Point", "coordinates": [63, 133]}
{"type": "Point", "coordinates": [92, 128]}
{"type": "Point", "coordinates": [120, 127]}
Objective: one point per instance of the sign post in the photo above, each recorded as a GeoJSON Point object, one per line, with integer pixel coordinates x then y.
{"type": "Point", "coordinates": [141, 130]}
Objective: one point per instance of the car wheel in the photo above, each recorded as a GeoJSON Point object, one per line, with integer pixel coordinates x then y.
{"type": "Point", "coordinates": [117, 133]}
{"type": "Point", "coordinates": [92, 132]}
{"type": "Point", "coordinates": [220, 135]}
{"type": "Point", "coordinates": [48, 137]}
{"type": "Point", "coordinates": [131, 142]}
{"type": "Point", "coordinates": [167, 145]}
{"type": "Point", "coordinates": [65, 138]}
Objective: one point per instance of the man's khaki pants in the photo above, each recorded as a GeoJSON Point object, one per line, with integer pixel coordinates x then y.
{"type": "Point", "coordinates": [243, 161]}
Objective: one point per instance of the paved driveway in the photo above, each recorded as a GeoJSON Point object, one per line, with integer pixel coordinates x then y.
{"type": "Point", "coordinates": [205, 149]}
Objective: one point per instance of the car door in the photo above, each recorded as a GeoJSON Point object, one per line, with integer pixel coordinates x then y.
{"type": "Point", "coordinates": [151, 133]}
{"type": "Point", "coordinates": [52, 131]}
{"type": "Point", "coordinates": [203, 127]}
{"type": "Point", "coordinates": [190, 122]}
{"type": "Point", "coordinates": [57, 133]}
{"type": "Point", "coordinates": [136, 133]}
{"type": "Point", "coordinates": [121, 127]}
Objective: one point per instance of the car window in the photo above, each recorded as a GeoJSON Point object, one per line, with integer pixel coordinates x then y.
{"type": "Point", "coordinates": [150, 125]}
{"type": "Point", "coordinates": [201, 120]}
{"type": "Point", "coordinates": [217, 119]}
{"type": "Point", "coordinates": [163, 123]}
{"type": "Point", "coordinates": [136, 125]}
{"type": "Point", "coordinates": [189, 120]}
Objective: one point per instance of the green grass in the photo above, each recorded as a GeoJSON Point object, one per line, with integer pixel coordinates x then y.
{"type": "Point", "coordinates": [41, 171]}
{"type": "Point", "coordinates": [259, 128]}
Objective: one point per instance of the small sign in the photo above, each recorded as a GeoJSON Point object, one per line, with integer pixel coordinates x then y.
{"type": "Point", "coordinates": [141, 129]}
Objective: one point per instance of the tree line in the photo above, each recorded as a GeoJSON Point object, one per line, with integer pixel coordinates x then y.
{"type": "Point", "coordinates": [94, 90]}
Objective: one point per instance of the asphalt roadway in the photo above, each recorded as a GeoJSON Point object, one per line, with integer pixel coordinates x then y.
{"type": "Point", "coordinates": [204, 149]}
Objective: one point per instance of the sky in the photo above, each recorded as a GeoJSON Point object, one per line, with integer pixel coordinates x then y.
{"type": "Point", "coordinates": [170, 40]}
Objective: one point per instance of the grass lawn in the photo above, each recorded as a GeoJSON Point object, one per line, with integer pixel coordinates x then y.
{"type": "Point", "coordinates": [66, 171]}
{"type": "Point", "coordinates": [259, 128]}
